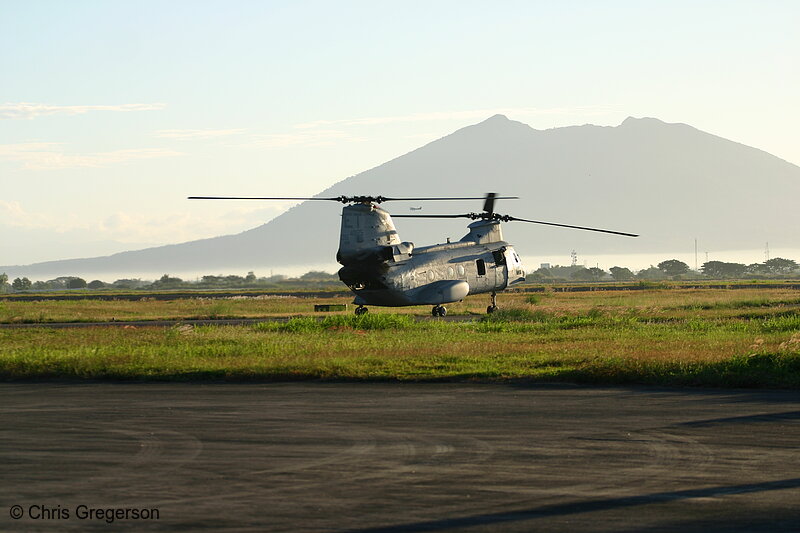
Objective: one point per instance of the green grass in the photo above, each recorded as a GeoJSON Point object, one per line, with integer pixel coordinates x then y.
{"type": "Point", "coordinates": [696, 337]}
{"type": "Point", "coordinates": [657, 304]}
{"type": "Point", "coordinates": [590, 344]}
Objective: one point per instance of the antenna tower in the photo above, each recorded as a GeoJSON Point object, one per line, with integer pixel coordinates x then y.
{"type": "Point", "coordinates": [766, 252]}
{"type": "Point", "coordinates": [574, 256]}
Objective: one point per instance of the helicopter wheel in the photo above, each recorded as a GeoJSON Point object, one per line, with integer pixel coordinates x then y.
{"type": "Point", "coordinates": [493, 306]}
{"type": "Point", "coordinates": [361, 310]}
{"type": "Point", "coordinates": [439, 310]}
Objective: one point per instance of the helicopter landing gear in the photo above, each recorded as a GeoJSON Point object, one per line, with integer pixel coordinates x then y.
{"type": "Point", "coordinates": [361, 310]}
{"type": "Point", "coordinates": [493, 307]}
{"type": "Point", "coordinates": [439, 310]}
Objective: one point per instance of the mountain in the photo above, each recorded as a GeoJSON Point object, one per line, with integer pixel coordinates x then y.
{"type": "Point", "coordinates": [671, 183]}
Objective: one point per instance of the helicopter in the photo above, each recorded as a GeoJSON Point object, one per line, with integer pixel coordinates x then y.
{"type": "Point", "coordinates": [382, 270]}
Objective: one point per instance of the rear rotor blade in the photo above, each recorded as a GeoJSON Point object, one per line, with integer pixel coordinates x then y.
{"type": "Point", "coordinates": [509, 218]}
{"type": "Point", "coordinates": [469, 198]}
{"type": "Point", "coordinates": [488, 205]}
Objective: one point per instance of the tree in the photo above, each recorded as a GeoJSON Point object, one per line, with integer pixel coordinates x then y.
{"type": "Point", "coordinates": [621, 273]}
{"type": "Point", "coordinates": [757, 268]}
{"type": "Point", "coordinates": [651, 273]}
{"type": "Point", "coordinates": [673, 267]}
{"type": "Point", "coordinates": [134, 283]}
{"type": "Point", "coordinates": [21, 284]}
{"type": "Point", "coordinates": [779, 265]}
{"type": "Point", "coordinates": [318, 275]}
{"type": "Point", "coordinates": [63, 282]}
{"type": "Point", "coordinates": [96, 284]}
{"type": "Point", "coordinates": [563, 272]}
{"type": "Point", "coordinates": [250, 277]}
{"type": "Point", "coordinates": [167, 281]}
{"type": "Point", "coordinates": [588, 274]}
{"type": "Point", "coordinates": [597, 273]}
{"type": "Point", "coordinates": [3, 282]}
{"type": "Point", "coordinates": [720, 269]}
{"type": "Point", "coordinates": [76, 283]}
{"type": "Point", "coordinates": [57, 283]}
{"type": "Point", "coordinates": [542, 274]}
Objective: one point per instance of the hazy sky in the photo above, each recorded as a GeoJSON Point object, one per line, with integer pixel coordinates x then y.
{"type": "Point", "coordinates": [111, 113]}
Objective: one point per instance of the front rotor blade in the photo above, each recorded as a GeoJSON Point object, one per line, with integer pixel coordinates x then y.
{"type": "Point", "coordinates": [344, 199]}
{"type": "Point", "coordinates": [508, 218]}
{"type": "Point", "coordinates": [256, 198]}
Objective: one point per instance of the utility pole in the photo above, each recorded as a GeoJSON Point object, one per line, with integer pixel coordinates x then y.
{"type": "Point", "coordinates": [766, 252]}
{"type": "Point", "coordinates": [695, 254]}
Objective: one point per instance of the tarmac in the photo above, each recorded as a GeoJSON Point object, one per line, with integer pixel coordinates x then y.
{"type": "Point", "coordinates": [380, 457]}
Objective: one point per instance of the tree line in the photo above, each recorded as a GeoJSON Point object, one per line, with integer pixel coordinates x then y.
{"type": "Point", "coordinates": [671, 269]}
{"type": "Point", "coordinates": [310, 279]}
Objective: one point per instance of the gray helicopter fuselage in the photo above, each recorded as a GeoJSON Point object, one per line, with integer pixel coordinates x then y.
{"type": "Point", "coordinates": [382, 270]}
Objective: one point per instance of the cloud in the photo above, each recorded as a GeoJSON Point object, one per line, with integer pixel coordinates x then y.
{"type": "Point", "coordinates": [32, 110]}
{"type": "Point", "coordinates": [332, 132]}
{"type": "Point", "coordinates": [457, 115]}
{"type": "Point", "coordinates": [50, 156]}
{"type": "Point", "coordinates": [14, 215]}
{"type": "Point", "coordinates": [186, 225]}
{"type": "Point", "coordinates": [137, 227]}
{"type": "Point", "coordinates": [197, 134]}
{"type": "Point", "coordinates": [305, 138]}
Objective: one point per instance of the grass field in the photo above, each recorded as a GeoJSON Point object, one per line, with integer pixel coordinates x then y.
{"type": "Point", "coordinates": [703, 337]}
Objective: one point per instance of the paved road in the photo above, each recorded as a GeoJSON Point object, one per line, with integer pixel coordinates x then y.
{"type": "Point", "coordinates": [399, 457]}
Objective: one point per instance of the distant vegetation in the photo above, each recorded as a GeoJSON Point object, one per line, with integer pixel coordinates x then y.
{"type": "Point", "coordinates": [671, 269]}
{"type": "Point", "coordinates": [308, 281]}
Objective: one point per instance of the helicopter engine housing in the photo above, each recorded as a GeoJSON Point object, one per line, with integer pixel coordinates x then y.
{"type": "Point", "coordinates": [483, 232]}
{"type": "Point", "coordinates": [367, 235]}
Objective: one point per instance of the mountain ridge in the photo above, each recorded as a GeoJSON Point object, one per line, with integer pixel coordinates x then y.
{"type": "Point", "coordinates": [670, 182]}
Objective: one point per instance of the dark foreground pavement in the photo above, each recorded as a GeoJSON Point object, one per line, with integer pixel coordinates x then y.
{"type": "Point", "coordinates": [398, 457]}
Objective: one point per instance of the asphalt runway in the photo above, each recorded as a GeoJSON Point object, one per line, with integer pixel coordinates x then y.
{"type": "Point", "coordinates": [397, 457]}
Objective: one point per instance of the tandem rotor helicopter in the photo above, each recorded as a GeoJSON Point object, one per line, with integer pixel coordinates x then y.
{"type": "Point", "coordinates": [381, 270]}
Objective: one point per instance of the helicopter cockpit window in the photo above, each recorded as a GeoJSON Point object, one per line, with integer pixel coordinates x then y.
{"type": "Point", "coordinates": [499, 257]}
{"type": "Point", "coordinates": [481, 267]}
